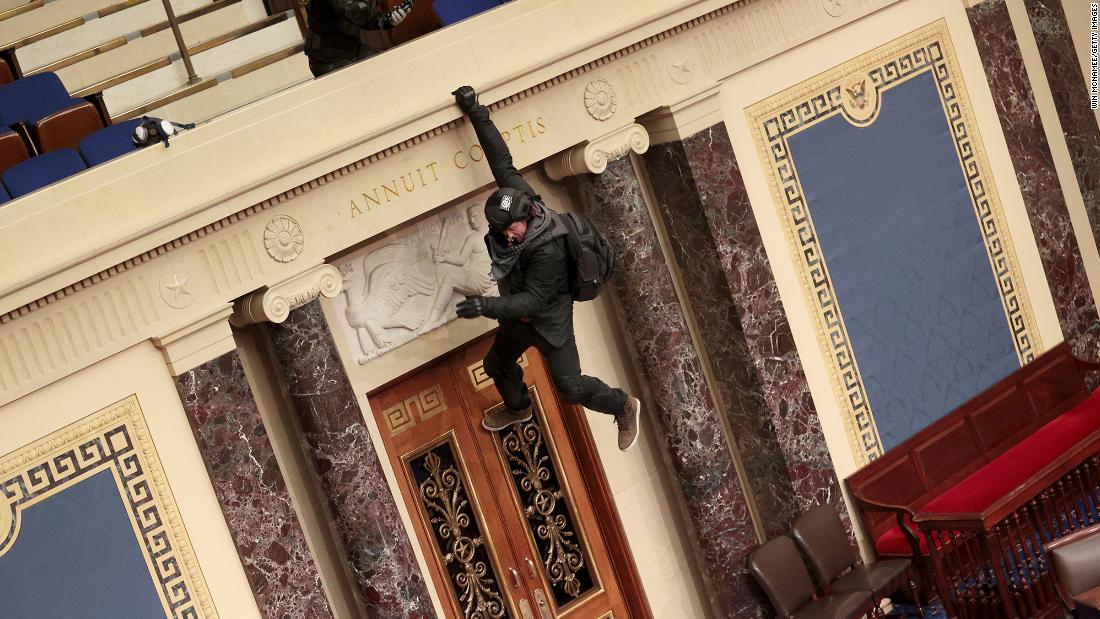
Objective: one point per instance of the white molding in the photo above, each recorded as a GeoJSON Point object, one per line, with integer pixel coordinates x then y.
{"type": "Point", "coordinates": [593, 156]}
{"type": "Point", "coordinates": [682, 120]}
{"type": "Point", "coordinates": [275, 304]}
{"type": "Point", "coordinates": [195, 343]}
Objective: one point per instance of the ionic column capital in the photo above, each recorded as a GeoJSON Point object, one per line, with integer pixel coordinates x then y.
{"type": "Point", "coordinates": [593, 156]}
{"type": "Point", "coordinates": [276, 302]}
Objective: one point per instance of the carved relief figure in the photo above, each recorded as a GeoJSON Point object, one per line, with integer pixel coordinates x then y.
{"type": "Point", "coordinates": [376, 291]}
{"type": "Point", "coordinates": [463, 272]}
{"type": "Point", "coordinates": [409, 285]}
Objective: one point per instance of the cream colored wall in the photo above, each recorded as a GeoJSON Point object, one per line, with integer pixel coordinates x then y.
{"type": "Point", "coordinates": [140, 370]}
{"type": "Point", "coordinates": [644, 496]}
{"type": "Point", "coordinates": [790, 68]}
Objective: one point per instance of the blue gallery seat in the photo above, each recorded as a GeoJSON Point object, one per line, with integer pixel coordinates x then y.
{"type": "Point", "coordinates": [106, 144]}
{"type": "Point", "coordinates": [4, 197]}
{"type": "Point", "coordinates": [32, 98]}
{"type": "Point", "coordinates": [42, 170]}
{"type": "Point", "coordinates": [452, 11]}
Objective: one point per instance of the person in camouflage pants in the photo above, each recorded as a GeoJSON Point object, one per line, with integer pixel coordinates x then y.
{"type": "Point", "coordinates": [335, 28]}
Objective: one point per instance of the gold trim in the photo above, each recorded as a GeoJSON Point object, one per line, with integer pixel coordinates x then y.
{"type": "Point", "coordinates": [237, 33]}
{"type": "Point", "coordinates": [429, 403]}
{"type": "Point", "coordinates": [125, 76]}
{"type": "Point", "coordinates": [22, 8]}
{"type": "Point", "coordinates": [67, 25]}
{"type": "Point", "coordinates": [776, 118]}
{"type": "Point", "coordinates": [117, 439]}
{"type": "Point", "coordinates": [186, 17]}
{"type": "Point", "coordinates": [582, 534]}
{"type": "Point", "coordinates": [181, 93]}
{"type": "Point", "coordinates": [480, 380]}
{"type": "Point", "coordinates": [449, 436]}
{"type": "Point", "coordinates": [79, 56]}
{"type": "Point", "coordinates": [120, 41]}
{"type": "Point", "coordinates": [270, 59]}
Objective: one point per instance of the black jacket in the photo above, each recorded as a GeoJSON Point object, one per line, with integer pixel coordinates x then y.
{"type": "Point", "coordinates": [537, 287]}
{"type": "Point", "coordinates": [334, 28]}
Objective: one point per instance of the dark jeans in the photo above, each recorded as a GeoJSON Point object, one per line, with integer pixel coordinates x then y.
{"type": "Point", "coordinates": [501, 364]}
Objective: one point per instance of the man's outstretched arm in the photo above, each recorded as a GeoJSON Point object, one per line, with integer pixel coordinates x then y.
{"type": "Point", "coordinates": [496, 151]}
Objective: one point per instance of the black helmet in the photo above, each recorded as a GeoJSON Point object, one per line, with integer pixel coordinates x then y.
{"type": "Point", "coordinates": [505, 206]}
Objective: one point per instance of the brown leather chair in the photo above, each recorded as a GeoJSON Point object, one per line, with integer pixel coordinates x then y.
{"type": "Point", "coordinates": [5, 72]}
{"type": "Point", "coordinates": [1076, 561]}
{"type": "Point", "coordinates": [836, 562]}
{"type": "Point", "coordinates": [66, 128]}
{"type": "Point", "coordinates": [779, 569]}
{"type": "Point", "coordinates": [13, 149]}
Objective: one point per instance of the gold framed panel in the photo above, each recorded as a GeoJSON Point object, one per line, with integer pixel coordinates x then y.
{"type": "Point", "coordinates": [449, 438]}
{"type": "Point", "coordinates": [854, 90]}
{"type": "Point", "coordinates": [115, 439]}
{"type": "Point", "coordinates": [582, 535]}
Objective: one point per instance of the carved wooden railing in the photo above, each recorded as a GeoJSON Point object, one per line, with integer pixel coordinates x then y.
{"type": "Point", "coordinates": [993, 564]}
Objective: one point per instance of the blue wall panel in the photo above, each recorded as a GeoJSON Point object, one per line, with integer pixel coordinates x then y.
{"type": "Point", "coordinates": [77, 555]}
{"type": "Point", "coordinates": [898, 231]}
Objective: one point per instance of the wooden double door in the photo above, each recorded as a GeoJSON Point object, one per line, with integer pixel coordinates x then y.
{"type": "Point", "coordinates": [505, 519]}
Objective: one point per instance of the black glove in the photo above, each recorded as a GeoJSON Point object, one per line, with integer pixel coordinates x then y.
{"type": "Point", "coordinates": [398, 14]}
{"type": "Point", "coordinates": [472, 307]}
{"type": "Point", "coordinates": [466, 98]}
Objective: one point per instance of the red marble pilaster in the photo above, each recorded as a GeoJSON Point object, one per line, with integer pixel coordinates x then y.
{"type": "Point", "coordinates": [1071, 97]}
{"type": "Point", "coordinates": [737, 382]}
{"type": "Point", "coordinates": [690, 425]}
{"type": "Point", "coordinates": [250, 487]}
{"type": "Point", "coordinates": [362, 505]}
{"type": "Point", "coordinates": [1034, 165]}
{"type": "Point", "coordinates": [723, 215]}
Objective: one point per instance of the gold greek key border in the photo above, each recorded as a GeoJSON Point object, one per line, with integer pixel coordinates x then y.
{"type": "Point", "coordinates": [117, 439]}
{"type": "Point", "coordinates": [429, 402]}
{"type": "Point", "coordinates": [774, 120]}
{"type": "Point", "coordinates": [480, 380]}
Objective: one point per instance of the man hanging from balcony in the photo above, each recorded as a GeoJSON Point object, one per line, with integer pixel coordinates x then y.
{"type": "Point", "coordinates": [527, 244]}
{"type": "Point", "coordinates": [342, 32]}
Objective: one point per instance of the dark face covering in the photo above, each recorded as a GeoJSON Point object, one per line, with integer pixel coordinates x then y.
{"type": "Point", "coordinates": [505, 255]}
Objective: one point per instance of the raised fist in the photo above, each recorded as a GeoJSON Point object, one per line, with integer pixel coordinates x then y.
{"type": "Point", "coordinates": [466, 98]}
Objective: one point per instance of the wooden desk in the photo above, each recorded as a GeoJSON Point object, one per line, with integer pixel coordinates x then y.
{"type": "Point", "coordinates": [1088, 604]}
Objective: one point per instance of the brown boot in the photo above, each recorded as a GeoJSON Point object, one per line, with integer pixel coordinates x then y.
{"type": "Point", "coordinates": [504, 417]}
{"type": "Point", "coordinates": [628, 423]}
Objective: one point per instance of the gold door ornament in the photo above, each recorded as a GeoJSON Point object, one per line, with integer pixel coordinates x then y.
{"type": "Point", "coordinates": [546, 506]}
{"type": "Point", "coordinates": [458, 534]}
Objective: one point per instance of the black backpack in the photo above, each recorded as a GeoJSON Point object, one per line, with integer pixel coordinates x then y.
{"type": "Point", "coordinates": [591, 257]}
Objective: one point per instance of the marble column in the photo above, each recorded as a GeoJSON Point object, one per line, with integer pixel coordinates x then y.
{"type": "Point", "coordinates": [231, 436]}
{"type": "Point", "coordinates": [250, 487]}
{"type": "Point", "coordinates": [702, 200]}
{"type": "Point", "coordinates": [1034, 165]}
{"type": "Point", "coordinates": [1071, 97]}
{"type": "Point", "coordinates": [363, 507]}
{"type": "Point", "coordinates": [710, 214]}
{"type": "Point", "coordinates": [690, 426]}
